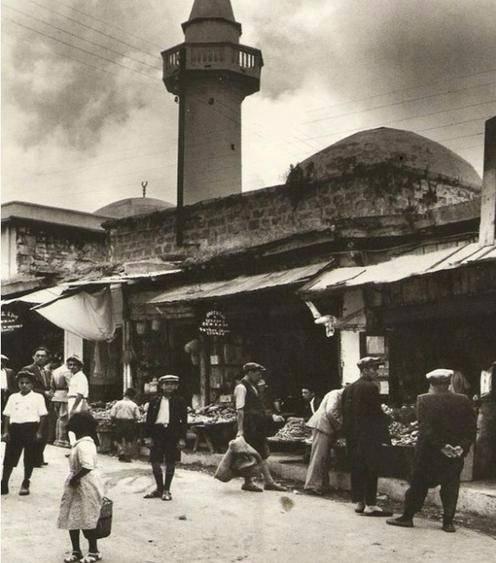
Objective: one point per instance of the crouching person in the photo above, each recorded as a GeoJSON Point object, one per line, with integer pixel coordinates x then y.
{"type": "Point", "coordinates": [84, 489]}
{"type": "Point", "coordinates": [166, 423]}
{"type": "Point", "coordinates": [25, 415]}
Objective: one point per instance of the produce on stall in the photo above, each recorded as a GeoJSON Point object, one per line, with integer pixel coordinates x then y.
{"type": "Point", "coordinates": [212, 414]}
{"type": "Point", "coordinates": [295, 430]}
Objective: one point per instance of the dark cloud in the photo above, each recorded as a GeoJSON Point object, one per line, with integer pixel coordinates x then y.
{"type": "Point", "coordinates": [361, 45]}
{"type": "Point", "coordinates": [57, 88]}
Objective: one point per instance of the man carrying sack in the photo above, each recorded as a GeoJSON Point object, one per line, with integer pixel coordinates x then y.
{"type": "Point", "coordinates": [252, 424]}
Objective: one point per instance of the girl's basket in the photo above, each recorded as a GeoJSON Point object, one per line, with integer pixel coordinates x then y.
{"type": "Point", "coordinates": [104, 525]}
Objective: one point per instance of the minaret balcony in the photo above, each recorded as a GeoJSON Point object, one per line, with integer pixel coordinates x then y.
{"type": "Point", "coordinates": [222, 57]}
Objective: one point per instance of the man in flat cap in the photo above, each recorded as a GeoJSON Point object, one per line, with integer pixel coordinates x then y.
{"type": "Point", "coordinates": [252, 423]}
{"type": "Point", "coordinates": [447, 428]}
{"type": "Point", "coordinates": [366, 429]}
{"type": "Point", "coordinates": [166, 423]}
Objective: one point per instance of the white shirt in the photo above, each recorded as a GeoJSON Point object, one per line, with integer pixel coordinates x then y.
{"type": "Point", "coordinates": [125, 409]}
{"type": "Point", "coordinates": [25, 408]}
{"type": "Point", "coordinates": [4, 380]}
{"type": "Point", "coordinates": [78, 385]}
{"type": "Point", "coordinates": [240, 395]}
{"type": "Point", "coordinates": [163, 416]}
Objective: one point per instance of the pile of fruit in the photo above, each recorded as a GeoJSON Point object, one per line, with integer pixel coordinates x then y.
{"type": "Point", "coordinates": [212, 414]}
{"type": "Point", "coordinates": [101, 413]}
{"type": "Point", "coordinates": [404, 434]}
{"type": "Point", "coordinates": [295, 430]}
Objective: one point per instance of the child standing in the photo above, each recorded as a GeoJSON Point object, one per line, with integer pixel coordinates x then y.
{"type": "Point", "coordinates": [83, 493]}
{"type": "Point", "coordinates": [25, 416]}
{"type": "Point", "coordinates": [124, 414]}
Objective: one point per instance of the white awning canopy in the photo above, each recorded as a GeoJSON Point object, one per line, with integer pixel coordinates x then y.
{"type": "Point", "coordinates": [400, 268]}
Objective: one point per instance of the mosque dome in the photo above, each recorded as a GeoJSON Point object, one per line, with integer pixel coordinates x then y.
{"type": "Point", "coordinates": [131, 206]}
{"type": "Point", "coordinates": [401, 150]}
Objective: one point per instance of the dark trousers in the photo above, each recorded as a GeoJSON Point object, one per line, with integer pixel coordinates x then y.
{"type": "Point", "coordinates": [364, 477]}
{"type": "Point", "coordinates": [22, 438]}
{"type": "Point", "coordinates": [420, 484]}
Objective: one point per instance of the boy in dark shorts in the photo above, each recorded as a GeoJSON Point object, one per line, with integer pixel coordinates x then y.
{"type": "Point", "coordinates": [25, 416]}
{"type": "Point", "coordinates": [125, 414]}
{"type": "Point", "coordinates": [166, 422]}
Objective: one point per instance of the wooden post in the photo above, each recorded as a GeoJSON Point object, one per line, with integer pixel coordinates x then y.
{"type": "Point", "coordinates": [204, 371]}
{"type": "Point", "coordinates": [180, 148]}
{"type": "Point", "coordinates": [488, 197]}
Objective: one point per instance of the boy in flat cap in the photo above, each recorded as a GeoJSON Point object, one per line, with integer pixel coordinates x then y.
{"type": "Point", "coordinates": [447, 428]}
{"type": "Point", "coordinates": [366, 429]}
{"type": "Point", "coordinates": [252, 423]}
{"type": "Point", "coordinates": [166, 423]}
{"type": "Point", "coordinates": [25, 416]}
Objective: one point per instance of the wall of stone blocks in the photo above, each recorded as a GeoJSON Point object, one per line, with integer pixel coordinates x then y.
{"type": "Point", "coordinates": [58, 250]}
{"type": "Point", "coordinates": [242, 221]}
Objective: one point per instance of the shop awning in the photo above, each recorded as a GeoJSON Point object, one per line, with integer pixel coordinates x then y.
{"type": "Point", "coordinates": [400, 268]}
{"type": "Point", "coordinates": [37, 297]}
{"type": "Point", "coordinates": [92, 316]}
{"type": "Point", "coordinates": [238, 285]}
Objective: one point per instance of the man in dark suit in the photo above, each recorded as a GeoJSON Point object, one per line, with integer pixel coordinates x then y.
{"type": "Point", "coordinates": [166, 423]}
{"type": "Point", "coordinates": [41, 384]}
{"type": "Point", "coordinates": [366, 429]}
{"type": "Point", "coordinates": [9, 384]}
{"type": "Point", "coordinates": [447, 428]}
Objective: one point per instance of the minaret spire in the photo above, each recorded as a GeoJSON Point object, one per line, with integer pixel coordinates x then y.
{"type": "Point", "coordinates": [211, 74]}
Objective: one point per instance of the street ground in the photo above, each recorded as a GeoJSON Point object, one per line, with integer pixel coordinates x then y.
{"type": "Point", "coordinates": [211, 521]}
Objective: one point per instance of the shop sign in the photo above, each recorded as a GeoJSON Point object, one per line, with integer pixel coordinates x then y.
{"type": "Point", "coordinates": [10, 322]}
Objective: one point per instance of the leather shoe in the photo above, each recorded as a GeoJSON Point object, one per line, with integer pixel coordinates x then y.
{"type": "Point", "coordinates": [24, 490]}
{"type": "Point", "coordinates": [401, 522]}
{"type": "Point", "coordinates": [167, 496]}
{"type": "Point", "coordinates": [448, 527]}
{"type": "Point", "coordinates": [154, 494]}
{"type": "Point", "coordinates": [252, 488]}
{"type": "Point", "coordinates": [275, 487]}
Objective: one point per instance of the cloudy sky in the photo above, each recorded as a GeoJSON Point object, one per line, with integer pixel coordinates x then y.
{"type": "Point", "coordinates": [86, 118]}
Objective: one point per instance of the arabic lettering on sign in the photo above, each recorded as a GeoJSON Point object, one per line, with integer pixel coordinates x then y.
{"type": "Point", "coordinates": [10, 322]}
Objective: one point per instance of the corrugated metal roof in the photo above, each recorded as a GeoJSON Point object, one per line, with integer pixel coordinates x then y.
{"type": "Point", "coordinates": [238, 285]}
{"type": "Point", "coordinates": [401, 267]}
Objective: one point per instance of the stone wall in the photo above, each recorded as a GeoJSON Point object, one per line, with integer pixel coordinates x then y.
{"type": "Point", "coordinates": [242, 221]}
{"type": "Point", "coordinates": [46, 249]}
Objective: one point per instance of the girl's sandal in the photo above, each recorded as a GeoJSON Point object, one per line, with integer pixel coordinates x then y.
{"type": "Point", "coordinates": [92, 558]}
{"type": "Point", "coordinates": [75, 557]}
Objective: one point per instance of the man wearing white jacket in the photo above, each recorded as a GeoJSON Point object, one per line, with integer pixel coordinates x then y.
{"type": "Point", "coordinates": [325, 425]}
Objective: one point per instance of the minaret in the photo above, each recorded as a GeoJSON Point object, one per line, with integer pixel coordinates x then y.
{"type": "Point", "coordinates": [211, 74]}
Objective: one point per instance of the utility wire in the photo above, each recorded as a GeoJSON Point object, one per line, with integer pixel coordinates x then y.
{"type": "Point", "coordinates": [107, 24]}
{"type": "Point", "coordinates": [80, 49]}
{"type": "Point", "coordinates": [403, 119]}
{"type": "Point", "coordinates": [94, 43]}
{"type": "Point", "coordinates": [78, 22]}
{"type": "Point", "coordinates": [396, 91]}
{"type": "Point", "coordinates": [402, 102]}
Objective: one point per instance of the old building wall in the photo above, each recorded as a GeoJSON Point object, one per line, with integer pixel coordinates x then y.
{"type": "Point", "coordinates": [46, 249]}
{"type": "Point", "coordinates": [241, 221]}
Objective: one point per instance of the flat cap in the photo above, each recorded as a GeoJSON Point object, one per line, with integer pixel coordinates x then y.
{"type": "Point", "coordinates": [368, 361]}
{"type": "Point", "coordinates": [439, 374]}
{"type": "Point", "coordinates": [75, 358]}
{"type": "Point", "coordinates": [168, 379]}
{"type": "Point", "coordinates": [253, 366]}
{"type": "Point", "coordinates": [4, 357]}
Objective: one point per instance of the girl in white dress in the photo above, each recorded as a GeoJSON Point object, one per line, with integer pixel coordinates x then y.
{"type": "Point", "coordinates": [84, 489]}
